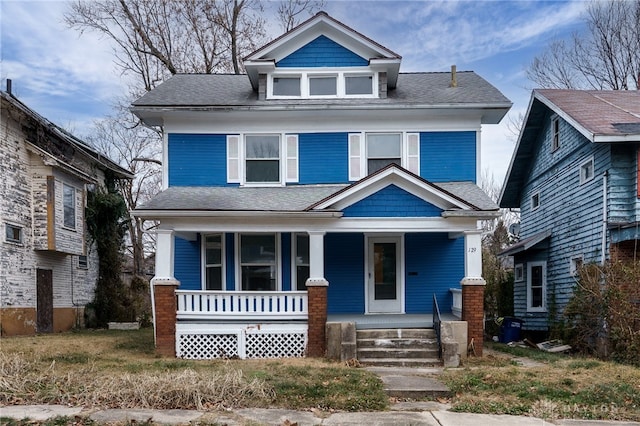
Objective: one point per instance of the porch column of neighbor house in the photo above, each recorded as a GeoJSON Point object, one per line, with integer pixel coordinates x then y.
{"type": "Point", "coordinates": [317, 297]}
{"type": "Point", "coordinates": [473, 290]}
{"type": "Point", "coordinates": [163, 295]}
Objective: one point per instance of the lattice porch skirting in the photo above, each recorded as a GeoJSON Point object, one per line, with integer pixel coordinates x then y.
{"type": "Point", "coordinates": [207, 341]}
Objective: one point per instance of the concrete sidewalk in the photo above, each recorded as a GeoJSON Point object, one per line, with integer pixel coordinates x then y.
{"type": "Point", "coordinates": [418, 414]}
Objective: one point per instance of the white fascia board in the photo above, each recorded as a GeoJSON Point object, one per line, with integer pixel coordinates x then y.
{"type": "Point", "coordinates": [187, 214]}
{"type": "Point", "coordinates": [356, 224]}
{"type": "Point", "coordinates": [397, 177]}
{"type": "Point", "coordinates": [479, 214]}
{"type": "Point", "coordinates": [616, 138]}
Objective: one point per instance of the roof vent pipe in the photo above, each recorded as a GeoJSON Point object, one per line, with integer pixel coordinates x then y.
{"type": "Point", "coordinates": [9, 86]}
{"type": "Point", "coordinates": [454, 78]}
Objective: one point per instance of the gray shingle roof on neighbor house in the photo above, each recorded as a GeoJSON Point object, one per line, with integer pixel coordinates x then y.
{"type": "Point", "coordinates": [294, 198]}
{"type": "Point", "coordinates": [231, 90]}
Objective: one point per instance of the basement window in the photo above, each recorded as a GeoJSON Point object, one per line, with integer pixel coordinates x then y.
{"type": "Point", "coordinates": [13, 234]}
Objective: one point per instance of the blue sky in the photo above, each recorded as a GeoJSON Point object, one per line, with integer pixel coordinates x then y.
{"type": "Point", "coordinates": [70, 78]}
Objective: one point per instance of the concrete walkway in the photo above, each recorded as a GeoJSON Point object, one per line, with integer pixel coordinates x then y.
{"type": "Point", "coordinates": [419, 414]}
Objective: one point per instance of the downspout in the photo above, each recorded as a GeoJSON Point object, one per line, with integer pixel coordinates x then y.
{"type": "Point", "coordinates": [604, 218]}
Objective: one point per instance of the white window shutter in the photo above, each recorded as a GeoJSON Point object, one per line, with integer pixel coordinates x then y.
{"type": "Point", "coordinates": [413, 153]}
{"type": "Point", "coordinates": [233, 159]}
{"type": "Point", "coordinates": [356, 156]}
{"type": "Point", "coordinates": [291, 164]}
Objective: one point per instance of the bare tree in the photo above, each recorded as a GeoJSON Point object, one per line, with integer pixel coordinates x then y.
{"type": "Point", "coordinates": [606, 57]}
{"type": "Point", "coordinates": [290, 11]}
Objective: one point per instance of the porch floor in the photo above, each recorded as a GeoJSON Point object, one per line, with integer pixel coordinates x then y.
{"type": "Point", "coordinates": [376, 321]}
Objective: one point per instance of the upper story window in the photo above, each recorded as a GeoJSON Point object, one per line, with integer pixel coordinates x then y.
{"type": "Point", "coordinates": [83, 262]}
{"type": "Point", "coordinates": [370, 152]}
{"type": "Point", "coordinates": [13, 233]}
{"type": "Point", "coordinates": [317, 84]}
{"type": "Point", "coordinates": [262, 159]}
{"type": "Point", "coordinates": [555, 125]}
{"type": "Point", "coordinates": [383, 149]}
{"type": "Point", "coordinates": [69, 206]}
{"type": "Point", "coordinates": [535, 201]}
{"type": "Point", "coordinates": [587, 171]}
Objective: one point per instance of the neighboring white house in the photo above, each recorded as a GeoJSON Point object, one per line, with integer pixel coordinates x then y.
{"type": "Point", "coordinates": [48, 269]}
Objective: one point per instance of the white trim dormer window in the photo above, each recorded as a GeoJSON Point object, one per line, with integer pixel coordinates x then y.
{"type": "Point", "coordinates": [301, 84]}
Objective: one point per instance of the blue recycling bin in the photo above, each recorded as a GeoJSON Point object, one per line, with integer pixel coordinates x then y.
{"type": "Point", "coordinates": [510, 329]}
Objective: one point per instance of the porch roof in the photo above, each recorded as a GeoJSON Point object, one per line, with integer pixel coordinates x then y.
{"type": "Point", "coordinates": [535, 241]}
{"type": "Point", "coordinates": [283, 199]}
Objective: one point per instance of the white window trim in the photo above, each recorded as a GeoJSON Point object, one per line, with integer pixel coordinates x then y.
{"type": "Point", "coordinates": [534, 195]}
{"type": "Point", "coordinates": [593, 167]}
{"type": "Point", "coordinates": [13, 225]}
{"type": "Point", "coordinates": [294, 269]}
{"type": "Point", "coordinates": [363, 156]}
{"type": "Point", "coordinates": [243, 160]}
{"type": "Point", "coordinates": [573, 270]}
{"type": "Point", "coordinates": [542, 308]}
{"type": "Point", "coordinates": [518, 277]}
{"type": "Point", "coordinates": [75, 207]}
{"type": "Point", "coordinates": [203, 257]}
{"type": "Point", "coordinates": [238, 263]}
{"type": "Point", "coordinates": [306, 74]}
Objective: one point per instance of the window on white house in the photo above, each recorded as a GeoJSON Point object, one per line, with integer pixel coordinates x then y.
{"type": "Point", "coordinates": [258, 262]}
{"type": "Point", "coordinates": [586, 171]}
{"type": "Point", "coordinates": [383, 149]}
{"type": "Point", "coordinates": [83, 262]}
{"type": "Point", "coordinates": [535, 201]}
{"type": "Point", "coordinates": [13, 233]}
{"type": "Point", "coordinates": [262, 158]}
{"type": "Point", "coordinates": [213, 254]}
{"type": "Point", "coordinates": [323, 86]}
{"type": "Point", "coordinates": [576, 265]}
{"type": "Point", "coordinates": [358, 85]}
{"type": "Point", "coordinates": [518, 273]}
{"type": "Point", "coordinates": [286, 86]}
{"type": "Point", "coordinates": [301, 261]}
{"type": "Point", "coordinates": [555, 144]}
{"type": "Point", "coordinates": [69, 206]}
{"type": "Point", "coordinates": [536, 286]}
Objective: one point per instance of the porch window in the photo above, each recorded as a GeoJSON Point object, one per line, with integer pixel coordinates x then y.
{"type": "Point", "coordinates": [213, 262]}
{"type": "Point", "coordinates": [301, 261]}
{"type": "Point", "coordinates": [258, 262]}
{"type": "Point", "coordinates": [536, 286]}
{"type": "Point", "coordinates": [69, 206]}
{"type": "Point", "coordinates": [262, 158]}
{"type": "Point", "coordinates": [383, 149]}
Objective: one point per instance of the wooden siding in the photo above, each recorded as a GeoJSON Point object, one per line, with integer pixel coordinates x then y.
{"type": "Point", "coordinates": [322, 52]}
{"type": "Point", "coordinates": [623, 200]}
{"type": "Point", "coordinates": [197, 160]}
{"type": "Point", "coordinates": [392, 202]}
{"type": "Point", "coordinates": [448, 156]}
{"type": "Point", "coordinates": [187, 264]}
{"type": "Point", "coordinates": [434, 264]}
{"type": "Point", "coordinates": [317, 151]}
{"type": "Point", "coordinates": [344, 269]}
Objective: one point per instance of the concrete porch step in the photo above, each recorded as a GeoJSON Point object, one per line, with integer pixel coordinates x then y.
{"type": "Point", "coordinates": [397, 343]}
{"type": "Point", "coordinates": [412, 382]}
{"type": "Point", "coordinates": [401, 362]}
{"type": "Point", "coordinates": [396, 333]}
{"type": "Point", "coordinates": [398, 353]}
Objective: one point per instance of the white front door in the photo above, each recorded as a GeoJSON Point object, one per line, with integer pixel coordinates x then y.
{"type": "Point", "coordinates": [384, 275]}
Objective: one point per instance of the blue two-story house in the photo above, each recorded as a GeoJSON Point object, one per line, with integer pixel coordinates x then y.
{"type": "Point", "coordinates": [323, 165]}
{"type": "Point", "coordinates": [575, 178]}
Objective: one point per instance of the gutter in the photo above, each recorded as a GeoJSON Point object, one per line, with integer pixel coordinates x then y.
{"type": "Point", "coordinates": [150, 214]}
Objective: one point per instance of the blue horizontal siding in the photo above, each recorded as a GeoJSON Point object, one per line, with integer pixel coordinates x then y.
{"type": "Point", "coordinates": [344, 269]}
{"type": "Point", "coordinates": [392, 201]}
{"type": "Point", "coordinates": [323, 158]}
{"type": "Point", "coordinates": [322, 52]}
{"type": "Point", "coordinates": [197, 160]}
{"type": "Point", "coordinates": [434, 264]}
{"type": "Point", "coordinates": [448, 156]}
{"type": "Point", "coordinates": [187, 268]}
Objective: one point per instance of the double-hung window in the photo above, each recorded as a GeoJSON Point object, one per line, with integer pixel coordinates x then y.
{"type": "Point", "coordinates": [262, 158]}
{"type": "Point", "coordinates": [258, 262]}
{"type": "Point", "coordinates": [536, 286]}
{"type": "Point", "coordinates": [301, 261]}
{"type": "Point", "coordinates": [69, 206]}
{"type": "Point", "coordinates": [213, 255]}
{"type": "Point", "coordinates": [383, 149]}
{"type": "Point", "coordinates": [587, 172]}
{"type": "Point", "coordinates": [370, 152]}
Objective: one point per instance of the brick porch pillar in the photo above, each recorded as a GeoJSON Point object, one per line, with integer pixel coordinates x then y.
{"type": "Point", "coordinates": [473, 290]}
{"type": "Point", "coordinates": [317, 297]}
{"type": "Point", "coordinates": [165, 308]}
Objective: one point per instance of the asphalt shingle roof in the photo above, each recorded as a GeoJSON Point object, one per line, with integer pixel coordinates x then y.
{"type": "Point", "coordinates": [229, 90]}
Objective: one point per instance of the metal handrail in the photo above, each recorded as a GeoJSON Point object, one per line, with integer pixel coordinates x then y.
{"type": "Point", "coordinates": [437, 321]}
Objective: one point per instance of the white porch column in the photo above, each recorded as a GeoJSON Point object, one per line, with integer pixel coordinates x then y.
{"type": "Point", "coordinates": [473, 255]}
{"type": "Point", "coordinates": [316, 259]}
{"type": "Point", "coordinates": [164, 255]}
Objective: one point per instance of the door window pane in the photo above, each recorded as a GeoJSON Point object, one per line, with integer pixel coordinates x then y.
{"type": "Point", "coordinates": [361, 85]}
{"type": "Point", "coordinates": [319, 86]}
{"type": "Point", "coordinates": [286, 86]}
{"type": "Point", "coordinates": [384, 258]}
{"type": "Point", "coordinates": [258, 262]}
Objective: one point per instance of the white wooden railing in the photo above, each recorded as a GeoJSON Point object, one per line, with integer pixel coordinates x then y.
{"type": "Point", "coordinates": [242, 305]}
{"type": "Point", "coordinates": [456, 305]}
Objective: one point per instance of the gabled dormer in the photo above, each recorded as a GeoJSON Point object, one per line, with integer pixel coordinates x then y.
{"type": "Point", "coordinates": [322, 59]}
